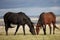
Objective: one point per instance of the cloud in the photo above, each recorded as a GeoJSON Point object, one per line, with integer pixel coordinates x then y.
{"type": "Point", "coordinates": [32, 11]}
{"type": "Point", "coordinates": [28, 3]}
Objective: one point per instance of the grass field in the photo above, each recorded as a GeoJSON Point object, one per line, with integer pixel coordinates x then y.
{"type": "Point", "coordinates": [28, 35]}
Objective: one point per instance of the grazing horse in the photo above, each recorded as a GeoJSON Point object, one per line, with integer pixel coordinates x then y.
{"type": "Point", "coordinates": [19, 18]}
{"type": "Point", "coordinates": [46, 18]}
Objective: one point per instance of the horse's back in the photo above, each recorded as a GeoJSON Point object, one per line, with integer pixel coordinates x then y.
{"type": "Point", "coordinates": [19, 17]}
{"type": "Point", "coordinates": [48, 17]}
{"type": "Point", "coordinates": [12, 15]}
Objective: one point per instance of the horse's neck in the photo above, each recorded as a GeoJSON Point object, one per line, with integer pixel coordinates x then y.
{"type": "Point", "coordinates": [29, 24]}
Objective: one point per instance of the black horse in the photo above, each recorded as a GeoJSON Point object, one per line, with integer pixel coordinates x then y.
{"type": "Point", "coordinates": [19, 18]}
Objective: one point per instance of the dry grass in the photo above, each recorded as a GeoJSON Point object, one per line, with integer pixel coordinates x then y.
{"type": "Point", "coordinates": [28, 35]}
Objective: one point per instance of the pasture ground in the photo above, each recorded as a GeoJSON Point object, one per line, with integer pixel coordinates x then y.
{"type": "Point", "coordinates": [28, 36]}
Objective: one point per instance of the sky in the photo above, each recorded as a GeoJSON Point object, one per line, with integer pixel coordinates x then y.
{"type": "Point", "coordinates": [28, 3]}
{"type": "Point", "coordinates": [30, 7]}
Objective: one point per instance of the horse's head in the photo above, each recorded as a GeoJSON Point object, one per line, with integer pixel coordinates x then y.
{"type": "Point", "coordinates": [32, 30]}
{"type": "Point", "coordinates": [37, 28]}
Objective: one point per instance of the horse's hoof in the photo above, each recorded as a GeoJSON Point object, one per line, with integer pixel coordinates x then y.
{"type": "Point", "coordinates": [45, 34]}
{"type": "Point", "coordinates": [14, 34]}
{"type": "Point", "coordinates": [24, 34]}
{"type": "Point", "coordinates": [36, 34]}
{"type": "Point", "coordinates": [6, 34]}
{"type": "Point", "coordinates": [53, 33]}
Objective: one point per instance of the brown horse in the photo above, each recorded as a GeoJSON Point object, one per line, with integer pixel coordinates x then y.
{"type": "Point", "coordinates": [44, 19]}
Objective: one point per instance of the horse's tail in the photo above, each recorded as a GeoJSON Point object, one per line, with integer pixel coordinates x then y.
{"type": "Point", "coordinates": [57, 28]}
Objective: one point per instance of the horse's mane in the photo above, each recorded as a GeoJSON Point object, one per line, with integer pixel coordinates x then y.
{"type": "Point", "coordinates": [40, 18]}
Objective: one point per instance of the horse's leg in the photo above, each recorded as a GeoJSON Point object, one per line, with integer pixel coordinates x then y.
{"type": "Point", "coordinates": [24, 29]}
{"type": "Point", "coordinates": [54, 28]}
{"type": "Point", "coordinates": [44, 29]}
{"type": "Point", "coordinates": [6, 29]}
{"type": "Point", "coordinates": [50, 28]}
{"type": "Point", "coordinates": [17, 29]}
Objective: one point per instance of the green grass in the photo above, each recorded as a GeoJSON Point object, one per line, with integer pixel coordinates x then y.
{"type": "Point", "coordinates": [28, 36]}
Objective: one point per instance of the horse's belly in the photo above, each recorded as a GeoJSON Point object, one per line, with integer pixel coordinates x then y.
{"type": "Point", "coordinates": [47, 21]}
{"type": "Point", "coordinates": [13, 22]}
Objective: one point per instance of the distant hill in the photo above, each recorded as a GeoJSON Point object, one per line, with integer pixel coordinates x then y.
{"type": "Point", "coordinates": [1, 17]}
{"type": "Point", "coordinates": [29, 16]}
{"type": "Point", "coordinates": [57, 15]}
